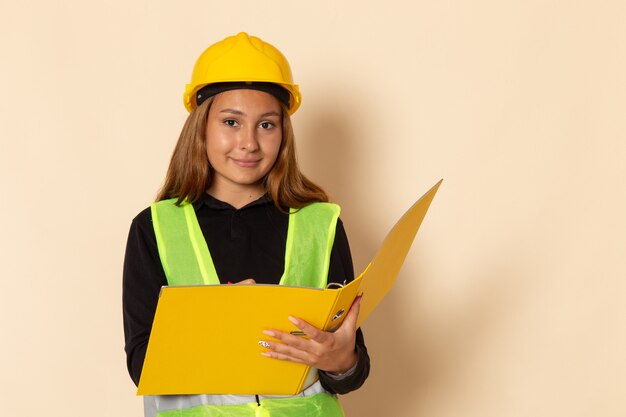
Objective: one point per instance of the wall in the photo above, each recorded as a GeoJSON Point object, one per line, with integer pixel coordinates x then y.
{"type": "Point", "coordinates": [511, 301]}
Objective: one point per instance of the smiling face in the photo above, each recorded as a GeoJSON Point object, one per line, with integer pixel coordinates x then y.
{"type": "Point", "coordinates": [243, 137]}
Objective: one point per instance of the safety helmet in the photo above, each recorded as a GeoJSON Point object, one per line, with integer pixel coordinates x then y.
{"type": "Point", "coordinates": [242, 58]}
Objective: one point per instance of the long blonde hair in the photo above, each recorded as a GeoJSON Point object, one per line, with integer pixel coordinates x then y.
{"type": "Point", "coordinates": [189, 172]}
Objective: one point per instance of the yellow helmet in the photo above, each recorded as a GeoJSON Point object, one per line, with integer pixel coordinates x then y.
{"type": "Point", "coordinates": [242, 58]}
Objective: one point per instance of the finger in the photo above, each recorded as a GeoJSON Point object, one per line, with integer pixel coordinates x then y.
{"type": "Point", "coordinates": [281, 356]}
{"type": "Point", "coordinates": [311, 331]}
{"type": "Point", "coordinates": [353, 315]}
{"type": "Point", "coordinates": [287, 339]}
{"type": "Point", "coordinates": [248, 281]}
{"type": "Point", "coordinates": [285, 352]}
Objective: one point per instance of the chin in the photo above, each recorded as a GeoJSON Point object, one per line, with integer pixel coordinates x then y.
{"type": "Point", "coordinates": [249, 181]}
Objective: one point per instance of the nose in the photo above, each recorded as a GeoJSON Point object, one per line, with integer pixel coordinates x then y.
{"type": "Point", "coordinates": [248, 140]}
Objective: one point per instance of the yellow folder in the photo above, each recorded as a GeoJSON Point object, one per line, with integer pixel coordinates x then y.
{"type": "Point", "coordinates": [204, 339]}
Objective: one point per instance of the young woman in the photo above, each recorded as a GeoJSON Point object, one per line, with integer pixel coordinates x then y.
{"type": "Point", "coordinates": [234, 177]}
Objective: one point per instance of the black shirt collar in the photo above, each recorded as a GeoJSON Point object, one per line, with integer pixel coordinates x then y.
{"type": "Point", "coordinates": [213, 203]}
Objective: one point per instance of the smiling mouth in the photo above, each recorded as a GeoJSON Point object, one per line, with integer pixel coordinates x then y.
{"type": "Point", "coordinates": [246, 163]}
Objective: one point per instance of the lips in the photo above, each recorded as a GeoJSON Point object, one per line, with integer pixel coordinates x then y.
{"type": "Point", "coordinates": [246, 163]}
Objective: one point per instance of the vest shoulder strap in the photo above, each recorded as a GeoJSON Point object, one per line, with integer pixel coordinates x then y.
{"type": "Point", "coordinates": [182, 248]}
{"type": "Point", "coordinates": [310, 241]}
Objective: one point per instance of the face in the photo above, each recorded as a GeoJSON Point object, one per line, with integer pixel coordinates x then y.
{"type": "Point", "coordinates": [244, 134]}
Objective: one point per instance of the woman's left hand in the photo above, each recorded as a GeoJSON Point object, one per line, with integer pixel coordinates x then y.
{"type": "Point", "coordinates": [328, 351]}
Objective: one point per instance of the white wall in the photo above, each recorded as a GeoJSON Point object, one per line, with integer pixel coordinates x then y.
{"type": "Point", "coordinates": [511, 302]}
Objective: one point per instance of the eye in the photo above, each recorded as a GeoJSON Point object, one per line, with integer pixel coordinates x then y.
{"type": "Point", "coordinates": [231, 122]}
{"type": "Point", "coordinates": [266, 125]}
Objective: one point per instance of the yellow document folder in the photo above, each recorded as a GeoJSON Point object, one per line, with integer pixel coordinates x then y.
{"type": "Point", "coordinates": [204, 339]}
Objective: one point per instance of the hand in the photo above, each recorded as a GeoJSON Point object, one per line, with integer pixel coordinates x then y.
{"type": "Point", "coordinates": [331, 352]}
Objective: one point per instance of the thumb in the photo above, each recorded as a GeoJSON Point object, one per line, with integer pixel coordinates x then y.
{"type": "Point", "coordinates": [353, 314]}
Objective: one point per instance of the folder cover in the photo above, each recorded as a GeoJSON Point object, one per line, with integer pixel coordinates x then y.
{"type": "Point", "coordinates": [204, 339]}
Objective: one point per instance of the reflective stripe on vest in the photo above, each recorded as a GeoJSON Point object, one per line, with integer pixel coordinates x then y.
{"type": "Point", "coordinates": [210, 405]}
{"type": "Point", "coordinates": [318, 405]}
{"type": "Point", "coordinates": [186, 260]}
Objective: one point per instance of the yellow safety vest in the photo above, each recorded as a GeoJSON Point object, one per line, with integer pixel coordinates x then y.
{"type": "Point", "coordinates": [186, 260]}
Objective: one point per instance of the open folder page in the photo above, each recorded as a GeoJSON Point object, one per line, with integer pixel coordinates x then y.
{"type": "Point", "coordinates": [204, 339]}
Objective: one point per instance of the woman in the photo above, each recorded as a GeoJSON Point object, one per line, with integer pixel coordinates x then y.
{"type": "Point", "coordinates": [234, 174]}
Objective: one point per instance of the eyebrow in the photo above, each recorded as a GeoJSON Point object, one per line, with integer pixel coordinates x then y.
{"type": "Point", "coordinates": [240, 113]}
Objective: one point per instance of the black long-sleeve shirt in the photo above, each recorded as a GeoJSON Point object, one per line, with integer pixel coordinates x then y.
{"type": "Point", "coordinates": [244, 243]}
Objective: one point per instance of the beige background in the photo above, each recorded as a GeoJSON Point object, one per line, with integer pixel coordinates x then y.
{"type": "Point", "coordinates": [511, 301]}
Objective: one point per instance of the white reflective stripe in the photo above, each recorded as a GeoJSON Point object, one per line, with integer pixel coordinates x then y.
{"type": "Point", "coordinates": [311, 377]}
{"type": "Point", "coordinates": [149, 406]}
{"type": "Point", "coordinates": [316, 388]}
{"type": "Point", "coordinates": [156, 403]}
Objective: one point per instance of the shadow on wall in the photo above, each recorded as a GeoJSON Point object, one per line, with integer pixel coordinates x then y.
{"type": "Point", "coordinates": [328, 153]}
{"type": "Point", "coordinates": [331, 153]}
{"type": "Point", "coordinates": [421, 351]}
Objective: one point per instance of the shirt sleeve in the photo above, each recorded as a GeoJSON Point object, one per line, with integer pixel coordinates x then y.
{"type": "Point", "coordinates": [340, 270]}
{"type": "Point", "coordinates": [143, 278]}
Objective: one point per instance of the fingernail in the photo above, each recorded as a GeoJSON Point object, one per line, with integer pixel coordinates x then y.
{"type": "Point", "coordinates": [266, 354]}
{"type": "Point", "coordinates": [293, 320]}
{"type": "Point", "coordinates": [269, 333]}
{"type": "Point", "coordinates": [264, 344]}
